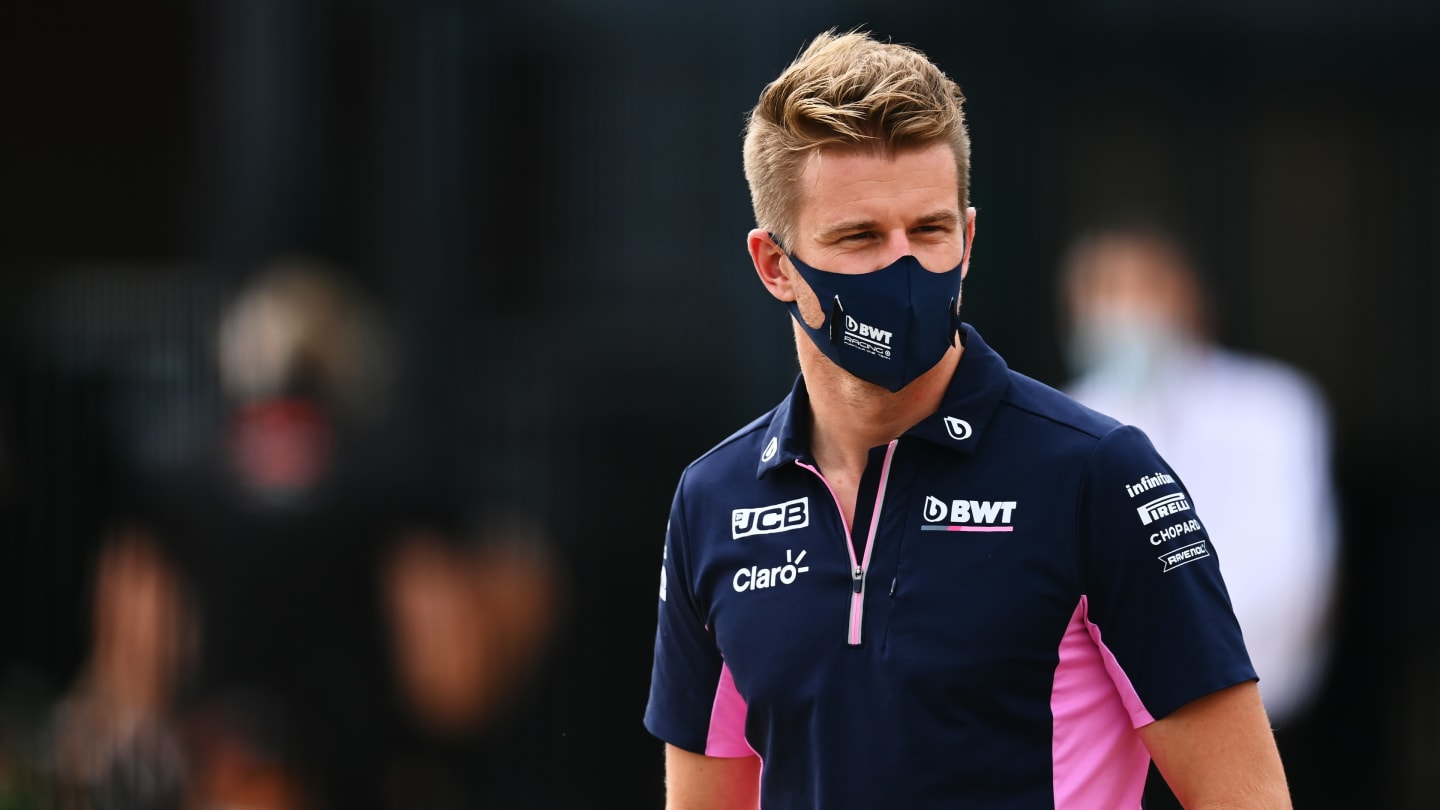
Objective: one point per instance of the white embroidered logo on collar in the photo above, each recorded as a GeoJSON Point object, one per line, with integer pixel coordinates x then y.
{"type": "Point", "coordinates": [958, 429]}
{"type": "Point", "coordinates": [770, 449]}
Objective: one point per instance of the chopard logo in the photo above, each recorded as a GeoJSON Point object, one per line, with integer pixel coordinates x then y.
{"type": "Point", "coordinates": [967, 516]}
{"type": "Point", "coordinates": [1178, 530]}
{"type": "Point", "coordinates": [781, 517]}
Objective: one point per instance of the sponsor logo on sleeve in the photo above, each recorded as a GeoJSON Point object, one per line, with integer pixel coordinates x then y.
{"type": "Point", "coordinates": [1184, 555]}
{"type": "Point", "coordinates": [1172, 532]}
{"type": "Point", "coordinates": [1148, 483]}
{"type": "Point", "coordinates": [1172, 504]}
{"type": "Point", "coordinates": [780, 517]}
{"type": "Point", "coordinates": [967, 515]}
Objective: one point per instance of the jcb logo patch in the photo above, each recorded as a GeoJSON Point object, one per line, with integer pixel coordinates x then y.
{"type": "Point", "coordinates": [782, 517]}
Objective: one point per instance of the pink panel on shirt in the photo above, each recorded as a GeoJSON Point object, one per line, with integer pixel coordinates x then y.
{"type": "Point", "coordinates": [1099, 760]}
{"type": "Point", "coordinates": [727, 720]}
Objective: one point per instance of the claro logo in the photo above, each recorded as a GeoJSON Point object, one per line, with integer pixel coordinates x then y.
{"type": "Point", "coordinates": [781, 517]}
{"type": "Point", "coordinates": [756, 578]}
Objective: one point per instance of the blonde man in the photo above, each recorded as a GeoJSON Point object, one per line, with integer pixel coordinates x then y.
{"type": "Point", "coordinates": [924, 580]}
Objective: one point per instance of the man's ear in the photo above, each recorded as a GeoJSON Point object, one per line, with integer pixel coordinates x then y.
{"type": "Point", "coordinates": [969, 241]}
{"type": "Point", "coordinates": [769, 264]}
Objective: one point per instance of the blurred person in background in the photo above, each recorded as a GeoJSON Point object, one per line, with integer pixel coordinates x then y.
{"type": "Point", "coordinates": [296, 613]}
{"type": "Point", "coordinates": [1250, 435]}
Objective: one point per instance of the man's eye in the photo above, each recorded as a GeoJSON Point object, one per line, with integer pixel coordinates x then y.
{"type": "Point", "coordinates": [859, 237]}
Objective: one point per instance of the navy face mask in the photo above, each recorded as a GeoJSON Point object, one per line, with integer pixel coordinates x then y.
{"type": "Point", "coordinates": [887, 327]}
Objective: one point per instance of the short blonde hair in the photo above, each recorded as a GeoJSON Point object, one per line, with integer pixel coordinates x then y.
{"type": "Point", "coordinates": [852, 92]}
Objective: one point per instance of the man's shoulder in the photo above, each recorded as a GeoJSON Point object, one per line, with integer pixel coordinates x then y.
{"type": "Point", "coordinates": [738, 453]}
{"type": "Point", "coordinates": [1031, 398]}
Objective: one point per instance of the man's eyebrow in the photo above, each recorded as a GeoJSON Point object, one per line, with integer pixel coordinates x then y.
{"type": "Point", "coordinates": [857, 226]}
{"type": "Point", "coordinates": [841, 228]}
{"type": "Point", "coordinates": [939, 218]}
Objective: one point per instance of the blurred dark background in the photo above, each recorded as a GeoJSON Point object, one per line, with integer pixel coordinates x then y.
{"type": "Point", "coordinates": [548, 198]}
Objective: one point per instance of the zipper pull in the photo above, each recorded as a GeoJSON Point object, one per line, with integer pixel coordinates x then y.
{"type": "Point", "coordinates": [858, 580]}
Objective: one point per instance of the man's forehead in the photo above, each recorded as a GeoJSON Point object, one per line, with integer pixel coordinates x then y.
{"type": "Point", "coordinates": [841, 181]}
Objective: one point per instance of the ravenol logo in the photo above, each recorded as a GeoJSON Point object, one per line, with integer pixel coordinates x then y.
{"type": "Point", "coordinates": [782, 517]}
{"type": "Point", "coordinates": [1160, 507]}
{"type": "Point", "coordinates": [967, 516]}
{"type": "Point", "coordinates": [1182, 556]}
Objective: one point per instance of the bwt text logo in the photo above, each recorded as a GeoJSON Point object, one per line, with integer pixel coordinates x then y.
{"type": "Point", "coordinates": [968, 516]}
{"type": "Point", "coordinates": [756, 578]}
{"type": "Point", "coordinates": [868, 333]}
{"type": "Point", "coordinates": [1160, 507]}
{"type": "Point", "coordinates": [782, 517]}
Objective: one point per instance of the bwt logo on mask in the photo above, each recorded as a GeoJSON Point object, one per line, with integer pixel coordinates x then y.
{"type": "Point", "coordinates": [868, 333]}
{"type": "Point", "coordinates": [782, 517]}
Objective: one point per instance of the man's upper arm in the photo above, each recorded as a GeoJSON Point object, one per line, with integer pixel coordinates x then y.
{"type": "Point", "coordinates": [1219, 751]}
{"type": "Point", "coordinates": [697, 782]}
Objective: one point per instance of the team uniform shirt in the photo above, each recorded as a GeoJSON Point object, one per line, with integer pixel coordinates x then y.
{"type": "Point", "coordinates": [1026, 582]}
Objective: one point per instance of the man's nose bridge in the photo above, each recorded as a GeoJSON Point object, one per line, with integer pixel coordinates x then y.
{"type": "Point", "coordinates": [897, 246]}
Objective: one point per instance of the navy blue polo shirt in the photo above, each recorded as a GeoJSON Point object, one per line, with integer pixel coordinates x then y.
{"type": "Point", "coordinates": [1025, 584]}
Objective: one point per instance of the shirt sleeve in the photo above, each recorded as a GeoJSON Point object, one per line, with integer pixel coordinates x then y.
{"type": "Point", "coordinates": [690, 692]}
{"type": "Point", "coordinates": [1152, 578]}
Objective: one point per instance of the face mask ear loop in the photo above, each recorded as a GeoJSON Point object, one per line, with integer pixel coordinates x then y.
{"type": "Point", "coordinates": [837, 312]}
{"type": "Point", "coordinates": [955, 323]}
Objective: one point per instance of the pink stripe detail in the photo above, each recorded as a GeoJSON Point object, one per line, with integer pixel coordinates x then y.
{"type": "Point", "coordinates": [879, 500]}
{"type": "Point", "coordinates": [980, 528]}
{"type": "Point", "coordinates": [727, 720]}
{"type": "Point", "coordinates": [1098, 759]}
{"type": "Point", "coordinates": [849, 546]}
{"type": "Point", "coordinates": [857, 601]}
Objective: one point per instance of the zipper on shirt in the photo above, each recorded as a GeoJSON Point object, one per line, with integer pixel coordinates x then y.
{"type": "Point", "coordinates": [859, 566]}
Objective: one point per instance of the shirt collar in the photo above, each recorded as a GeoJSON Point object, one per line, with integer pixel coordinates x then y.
{"type": "Point", "coordinates": [974, 393]}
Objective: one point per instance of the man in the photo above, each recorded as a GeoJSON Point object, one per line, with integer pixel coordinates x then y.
{"type": "Point", "coordinates": [924, 580]}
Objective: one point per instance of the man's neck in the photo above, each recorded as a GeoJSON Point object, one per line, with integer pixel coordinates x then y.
{"type": "Point", "coordinates": [850, 416]}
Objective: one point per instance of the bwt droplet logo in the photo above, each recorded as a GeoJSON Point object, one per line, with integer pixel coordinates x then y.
{"type": "Point", "coordinates": [961, 515]}
{"type": "Point", "coordinates": [958, 429]}
{"type": "Point", "coordinates": [870, 334]}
